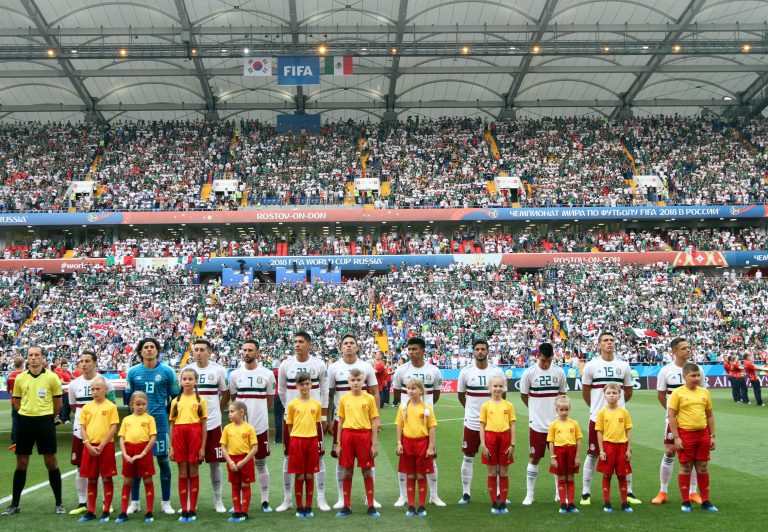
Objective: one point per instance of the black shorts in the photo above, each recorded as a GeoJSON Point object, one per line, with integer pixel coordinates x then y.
{"type": "Point", "coordinates": [31, 430]}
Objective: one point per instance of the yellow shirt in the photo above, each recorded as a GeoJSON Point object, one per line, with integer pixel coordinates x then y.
{"type": "Point", "coordinates": [418, 420]}
{"type": "Point", "coordinates": [564, 433]}
{"type": "Point", "coordinates": [614, 424]}
{"type": "Point", "coordinates": [187, 411]}
{"type": "Point", "coordinates": [138, 429]}
{"type": "Point", "coordinates": [37, 393]}
{"type": "Point", "coordinates": [357, 411]}
{"type": "Point", "coordinates": [303, 417]}
{"type": "Point", "coordinates": [691, 406]}
{"type": "Point", "coordinates": [98, 418]}
{"type": "Point", "coordinates": [498, 417]}
{"type": "Point", "coordinates": [239, 439]}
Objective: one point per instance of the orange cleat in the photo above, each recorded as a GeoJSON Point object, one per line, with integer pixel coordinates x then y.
{"type": "Point", "coordinates": [12, 448]}
{"type": "Point", "coordinates": [695, 498]}
{"type": "Point", "coordinates": [661, 498]}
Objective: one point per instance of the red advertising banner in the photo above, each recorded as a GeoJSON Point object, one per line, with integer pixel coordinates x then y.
{"type": "Point", "coordinates": [51, 265]}
{"type": "Point", "coordinates": [450, 386]}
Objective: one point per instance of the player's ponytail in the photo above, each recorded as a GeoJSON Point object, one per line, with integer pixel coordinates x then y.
{"type": "Point", "coordinates": [175, 406]}
{"type": "Point", "coordinates": [199, 404]}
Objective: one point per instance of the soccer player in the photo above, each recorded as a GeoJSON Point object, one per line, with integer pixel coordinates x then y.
{"type": "Point", "coordinates": [98, 426]}
{"type": "Point", "coordinates": [540, 386]}
{"type": "Point", "coordinates": [597, 373]}
{"type": "Point", "coordinates": [473, 388]}
{"type": "Point", "coordinates": [254, 386]}
{"type": "Point", "coordinates": [614, 439]}
{"type": "Point", "coordinates": [301, 362]}
{"type": "Point", "coordinates": [212, 386]}
{"type": "Point", "coordinates": [358, 436]}
{"type": "Point", "coordinates": [159, 383]}
{"type": "Point", "coordinates": [564, 438]}
{"type": "Point", "coordinates": [79, 396]}
{"type": "Point", "coordinates": [431, 377]}
{"type": "Point", "coordinates": [239, 445]}
{"type": "Point", "coordinates": [692, 424]}
{"type": "Point", "coordinates": [670, 378]}
{"type": "Point", "coordinates": [338, 387]}
{"type": "Point", "coordinates": [37, 399]}
{"type": "Point", "coordinates": [497, 439]}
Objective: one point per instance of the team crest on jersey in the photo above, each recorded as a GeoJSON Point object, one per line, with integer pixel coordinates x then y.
{"type": "Point", "coordinates": [260, 380]}
{"type": "Point", "coordinates": [158, 378]}
{"type": "Point", "coordinates": [621, 420]}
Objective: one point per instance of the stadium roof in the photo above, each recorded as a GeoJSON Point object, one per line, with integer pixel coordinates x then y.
{"type": "Point", "coordinates": [140, 59]}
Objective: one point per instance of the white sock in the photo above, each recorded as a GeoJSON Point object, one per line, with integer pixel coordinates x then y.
{"type": "Point", "coordinates": [590, 463]}
{"type": "Point", "coordinates": [665, 472]}
{"type": "Point", "coordinates": [81, 485]}
{"type": "Point", "coordinates": [629, 484]}
{"type": "Point", "coordinates": [694, 484]}
{"type": "Point", "coordinates": [402, 480]}
{"type": "Point", "coordinates": [287, 482]}
{"type": "Point", "coordinates": [466, 473]}
{"type": "Point", "coordinates": [339, 480]}
{"type": "Point", "coordinates": [531, 472]}
{"type": "Point", "coordinates": [263, 472]}
{"type": "Point", "coordinates": [557, 491]}
{"type": "Point", "coordinates": [320, 481]}
{"type": "Point", "coordinates": [216, 480]}
{"type": "Point", "coordinates": [432, 482]}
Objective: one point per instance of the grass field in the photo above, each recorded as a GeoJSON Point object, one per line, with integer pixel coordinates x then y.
{"type": "Point", "coordinates": [738, 480]}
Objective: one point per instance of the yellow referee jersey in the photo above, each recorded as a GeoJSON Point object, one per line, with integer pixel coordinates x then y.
{"type": "Point", "coordinates": [37, 392]}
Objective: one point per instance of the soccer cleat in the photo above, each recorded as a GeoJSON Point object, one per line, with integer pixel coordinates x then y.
{"type": "Point", "coordinates": [686, 507]}
{"type": "Point", "coordinates": [149, 517]}
{"type": "Point", "coordinates": [345, 512]}
{"type": "Point", "coordinates": [421, 512]}
{"type": "Point", "coordinates": [133, 507]}
{"type": "Point", "coordinates": [607, 508]}
{"type": "Point", "coordinates": [11, 510]}
{"type": "Point", "coordinates": [191, 516]}
{"type": "Point", "coordinates": [81, 508]}
{"type": "Point", "coordinates": [286, 504]}
{"type": "Point", "coordinates": [437, 501]}
{"type": "Point", "coordinates": [184, 517]}
{"type": "Point", "coordinates": [709, 507]}
{"type": "Point", "coordinates": [122, 518]}
{"type": "Point", "coordinates": [373, 512]}
{"type": "Point", "coordinates": [563, 508]}
{"type": "Point", "coordinates": [60, 509]}
{"type": "Point", "coordinates": [631, 499]}
{"type": "Point", "coordinates": [219, 506]}
{"type": "Point", "coordinates": [265, 508]}
{"type": "Point", "coordinates": [12, 448]}
{"type": "Point", "coordinates": [104, 518]}
{"type": "Point", "coordinates": [299, 513]}
{"type": "Point", "coordinates": [376, 504]}
{"type": "Point", "coordinates": [502, 509]}
{"type": "Point", "coordinates": [626, 508]}
{"type": "Point", "coordinates": [572, 509]}
{"type": "Point", "coordinates": [695, 498]}
{"type": "Point", "coordinates": [322, 505]}
{"type": "Point", "coordinates": [661, 498]}
{"type": "Point", "coordinates": [400, 502]}
{"type": "Point", "coordinates": [411, 512]}
{"type": "Point", "coordinates": [89, 516]}
{"type": "Point", "coordinates": [465, 499]}
{"type": "Point", "coordinates": [165, 507]}
{"type": "Point", "coordinates": [308, 512]}
{"type": "Point", "coordinates": [235, 518]}
{"type": "Point", "coordinates": [339, 504]}
{"type": "Point", "coordinates": [529, 500]}
{"type": "Point", "coordinates": [585, 499]}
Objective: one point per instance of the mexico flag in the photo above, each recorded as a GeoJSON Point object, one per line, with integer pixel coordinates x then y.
{"type": "Point", "coordinates": [640, 333]}
{"type": "Point", "coordinates": [338, 65]}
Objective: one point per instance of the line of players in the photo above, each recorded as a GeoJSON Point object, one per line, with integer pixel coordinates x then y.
{"type": "Point", "coordinates": [254, 385]}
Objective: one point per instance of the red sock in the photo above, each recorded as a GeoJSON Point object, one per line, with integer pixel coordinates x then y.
{"type": "Point", "coordinates": [93, 490]}
{"type": "Point", "coordinates": [236, 496]}
{"type": "Point", "coordinates": [684, 481]}
{"type": "Point", "coordinates": [492, 488]}
{"type": "Point", "coordinates": [411, 491]}
{"type": "Point", "coordinates": [622, 487]}
{"type": "Point", "coordinates": [562, 490]}
{"type": "Point", "coordinates": [184, 493]}
{"type": "Point", "coordinates": [503, 489]}
{"type": "Point", "coordinates": [245, 501]}
{"type": "Point", "coordinates": [298, 491]}
{"type": "Point", "coordinates": [125, 498]}
{"type": "Point", "coordinates": [346, 485]}
{"type": "Point", "coordinates": [570, 488]}
{"type": "Point", "coordinates": [109, 492]}
{"type": "Point", "coordinates": [704, 486]}
{"type": "Point", "coordinates": [149, 489]}
{"type": "Point", "coordinates": [194, 488]}
{"type": "Point", "coordinates": [309, 486]}
{"type": "Point", "coordinates": [422, 491]}
{"type": "Point", "coordinates": [368, 483]}
{"type": "Point", "coordinates": [606, 488]}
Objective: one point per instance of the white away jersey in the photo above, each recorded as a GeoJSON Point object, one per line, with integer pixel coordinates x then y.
{"type": "Point", "coordinates": [212, 379]}
{"type": "Point", "coordinates": [542, 386]}
{"type": "Point", "coordinates": [598, 373]}
{"type": "Point", "coordinates": [286, 379]}
{"type": "Point", "coordinates": [338, 375]}
{"type": "Point", "coordinates": [430, 375]}
{"type": "Point", "coordinates": [671, 377]}
{"type": "Point", "coordinates": [80, 395]}
{"type": "Point", "coordinates": [474, 383]}
{"type": "Point", "coordinates": [253, 387]}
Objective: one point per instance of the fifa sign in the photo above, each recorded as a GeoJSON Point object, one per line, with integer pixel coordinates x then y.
{"type": "Point", "coordinates": [298, 70]}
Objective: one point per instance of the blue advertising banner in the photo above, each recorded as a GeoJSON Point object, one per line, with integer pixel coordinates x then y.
{"type": "Point", "coordinates": [64, 218]}
{"type": "Point", "coordinates": [298, 70]}
{"type": "Point", "coordinates": [297, 123]}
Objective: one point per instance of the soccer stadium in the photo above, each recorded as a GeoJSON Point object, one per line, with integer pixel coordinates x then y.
{"type": "Point", "coordinates": [253, 247]}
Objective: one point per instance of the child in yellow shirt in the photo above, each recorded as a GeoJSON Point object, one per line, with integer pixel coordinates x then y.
{"type": "Point", "coordinates": [614, 439]}
{"type": "Point", "coordinates": [239, 445]}
{"type": "Point", "coordinates": [497, 441]}
{"type": "Point", "coordinates": [564, 438]}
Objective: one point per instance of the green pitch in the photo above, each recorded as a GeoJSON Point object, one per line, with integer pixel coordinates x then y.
{"type": "Point", "coordinates": [738, 477]}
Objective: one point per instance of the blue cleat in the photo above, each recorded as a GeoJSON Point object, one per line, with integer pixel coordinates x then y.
{"type": "Point", "coordinates": [572, 509]}
{"type": "Point", "coordinates": [122, 518]}
{"type": "Point", "coordinates": [465, 499]}
{"type": "Point", "coordinates": [87, 517]}
{"type": "Point", "coordinates": [626, 508]}
{"type": "Point", "coordinates": [421, 512]}
{"type": "Point", "coordinates": [563, 508]}
{"type": "Point", "coordinates": [344, 512]}
{"type": "Point", "coordinates": [607, 508]}
{"type": "Point", "coordinates": [411, 512]}
{"type": "Point", "coordinates": [373, 512]}
{"type": "Point", "coordinates": [104, 518]}
{"type": "Point", "coordinates": [265, 508]}
{"type": "Point", "coordinates": [686, 507]}
{"type": "Point", "coordinates": [709, 507]}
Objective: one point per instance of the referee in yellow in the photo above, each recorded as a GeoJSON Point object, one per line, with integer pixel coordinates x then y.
{"type": "Point", "coordinates": [37, 399]}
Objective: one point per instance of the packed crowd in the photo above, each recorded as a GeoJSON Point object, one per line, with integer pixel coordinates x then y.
{"type": "Point", "coordinates": [445, 162]}
{"type": "Point", "coordinates": [20, 291]}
